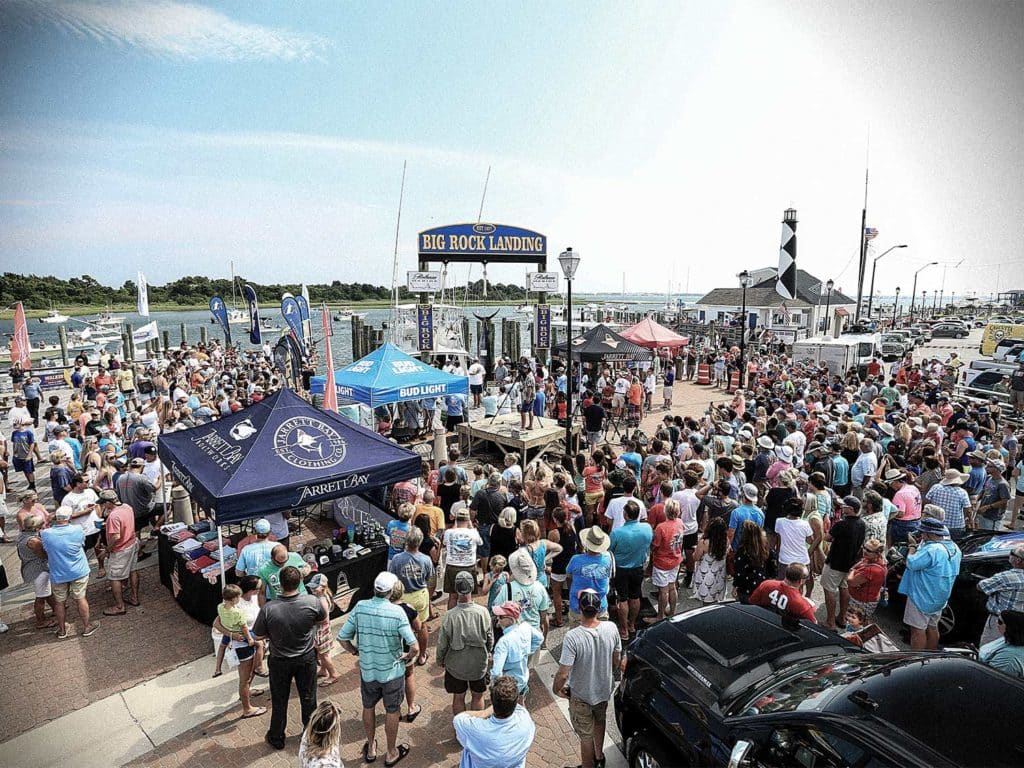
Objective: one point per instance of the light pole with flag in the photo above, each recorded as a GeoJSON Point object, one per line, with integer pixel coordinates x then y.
{"type": "Point", "coordinates": [569, 260]}
{"type": "Point", "coordinates": [330, 391]}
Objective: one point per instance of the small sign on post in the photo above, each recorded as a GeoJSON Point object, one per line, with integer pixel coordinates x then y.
{"type": "Point", "coordinates": [542, 281]}
{"type": "Point", "coordinates": [423, 282]}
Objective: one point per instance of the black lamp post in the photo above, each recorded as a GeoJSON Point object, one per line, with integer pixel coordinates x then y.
{"type": "Point", "coordinates": [744, 283]}
{"type": "Point", "coordinates": [569, 261]}
{"type": "Point", "coordinates": [896, 306]}
{"type": "Point", "coordinates": [828, 304]}
{"type": "Point", "coordinates": [874, 264]}
{"type": "Point", "coordinates": [924, 304]}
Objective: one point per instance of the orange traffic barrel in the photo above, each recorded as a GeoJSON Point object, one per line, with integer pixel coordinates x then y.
{"type": "Point", "coordinates": [703, 373]}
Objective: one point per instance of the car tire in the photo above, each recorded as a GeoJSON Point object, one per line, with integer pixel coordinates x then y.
{"type": "Point", "coordinates": [947, 622]}
{"type": "Point", "coordinates": [648, 751]}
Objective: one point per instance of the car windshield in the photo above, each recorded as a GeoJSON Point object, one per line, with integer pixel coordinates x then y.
{"type": "Point", "coordinates": [808, 686]}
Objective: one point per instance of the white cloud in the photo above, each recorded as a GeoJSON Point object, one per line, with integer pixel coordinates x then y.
{"type": "Point", "coordinates": [169, 29]}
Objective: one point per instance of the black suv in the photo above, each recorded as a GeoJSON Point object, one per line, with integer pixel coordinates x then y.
{"type": "Point", "coordinates": [739, 686]}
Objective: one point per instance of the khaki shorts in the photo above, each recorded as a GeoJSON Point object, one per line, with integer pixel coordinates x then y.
{"type": "Point", "coordinates": [582, 716]}
{"type": "Point", "coordinates": [832, 580]}
{"type": "Point", "coordinates": [75, 588]}
{"type": "Point", "coordinates": [660, 578]}
{"type": "Point", "coordinates": [120, 564]}
{"type": "Point", "coordinates": [419, 601]}
{"type": "Point", "coordinates": [918, 619]}
{"type": "Point", "coordinates": [451, 571]}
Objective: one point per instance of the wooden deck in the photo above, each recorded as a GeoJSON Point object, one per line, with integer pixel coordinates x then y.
{"type": "Point", "coordinates": [505, 433]}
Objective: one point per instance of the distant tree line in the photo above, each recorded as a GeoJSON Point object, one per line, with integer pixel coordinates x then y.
{"type": "Point", "coordinates": [40, 292]}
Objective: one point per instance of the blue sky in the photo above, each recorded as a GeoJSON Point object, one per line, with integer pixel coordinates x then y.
{"type": "Point", "coordinates": [660, 140]}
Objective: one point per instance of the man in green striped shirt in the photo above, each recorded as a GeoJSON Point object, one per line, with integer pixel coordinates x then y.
{"type": "Point", "coordinates": [380, 628]}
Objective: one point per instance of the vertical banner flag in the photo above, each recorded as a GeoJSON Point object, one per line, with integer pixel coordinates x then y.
{"type": "Point", "coordinates": [330, 391]}
{"type": "Point", "coordinates": [293, 316]}
{"type": "Point", "coordinates": [785, 283]}
{"type": "Point", "coordinates": [306, 322]}
{"type": "Point", "coordinates": [307, 335]}
{"type": "Point", "coordinates": [542, 327]}
{"type": "Point", "coordinates": [424, 327]}
{"type": "Point", "coordinates": [220, 314]}
{"type": "Point", "coordinates": [20, 347]}
{"type": "Point", "coordinates": [143, 299]}
{"type": "Point", "coordinates": [254, 314]}
{"type": "Point", "coordinates": [295, 359]}
{"type": "Point", "coordinates": [281, 353]}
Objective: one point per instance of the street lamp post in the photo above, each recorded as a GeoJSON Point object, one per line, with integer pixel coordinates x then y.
{"type": "Point", "coordinates": [874, 264]}
{"type": "Point", "coordinates": [569, 261]}
{"type": "Point", "coordinates": [896, 306]}
{"type": "Point", "coordinates": [744, 283]}
{"type": "Point", "coordinates": [828, 302]}
{"type": "Point", "coordinates": [924, 303]}
{"type": "Point", "coordinates": [913, 292]}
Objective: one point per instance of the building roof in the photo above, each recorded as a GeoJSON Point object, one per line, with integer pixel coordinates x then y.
{"type": "Point", "coordinates": [809, 292]}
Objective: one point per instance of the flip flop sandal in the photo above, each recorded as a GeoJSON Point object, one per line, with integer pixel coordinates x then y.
{"type": "Point", "coordinates": [328, 681]}
{"type": "Point", "coordinates": [403, 751]}
{"type": "Point", "coordinates": [133, 603]}
{"type": "Point", "coordinates": [366, 749]}
{"type": "Point", "coordinates": [255, 713]}
{"type": "Point", "coordinates": [410, 717]}
{"type": "Point", "coordinates": [113, 612]}
{"type": "Point", "coordinates": [421, 662]}
{"type": "Point", "coordinates": [217, 674]}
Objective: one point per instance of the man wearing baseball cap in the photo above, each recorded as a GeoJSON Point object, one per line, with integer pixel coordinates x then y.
{"type": "Point", "coordinates": [586, 675]}
{"type": "Point", "coordinates": [463, 646]}
{"type": "Point", "coordinates": [847, 537]}
{"type": "Point", "coordinates": [517, 642]}
{"type": "Point", "coordinates": [932, 568]}
{"type": "Point", "coordinates": [994, 496]}
{"type": "Point", "coordinates": [137, 491]}
{"type": "Point", "coordinates": [380, 628]}
{"type": "Point", "coordinates": [255, 554]}
{"type": "Point", "coordinates": [69, 570]}
{"type": "Point", "coordinates": [122, 552]}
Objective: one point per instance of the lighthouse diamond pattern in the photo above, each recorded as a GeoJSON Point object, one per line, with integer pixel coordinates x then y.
{"type": "Point", "coordinates": [785, 283]}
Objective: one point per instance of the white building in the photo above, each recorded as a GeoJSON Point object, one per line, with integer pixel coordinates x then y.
{"type": "Point", "coordinates": [788, 319]}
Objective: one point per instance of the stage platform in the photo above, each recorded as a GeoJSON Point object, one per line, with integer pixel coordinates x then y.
{"type": "Point", "coordinates": [505, 433]}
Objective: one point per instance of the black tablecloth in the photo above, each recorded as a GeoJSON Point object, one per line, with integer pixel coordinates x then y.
{"type": "Point", "coordinates": [199, 598]}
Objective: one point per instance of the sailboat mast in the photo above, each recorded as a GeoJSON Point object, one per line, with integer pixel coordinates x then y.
{"type": "Point", "coordinates": [394, 268]}
{"type": "Point", "coordinates": [863, 230]}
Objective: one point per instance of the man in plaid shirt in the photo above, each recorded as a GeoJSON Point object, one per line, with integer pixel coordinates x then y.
{"type": "Point", "coordinates": [1005, 592]}
{"type": "Point", "coordinates": [949, 494]}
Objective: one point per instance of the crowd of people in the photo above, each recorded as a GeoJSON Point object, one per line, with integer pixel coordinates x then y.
{"type": "Point", "coordinates": [803, 477]}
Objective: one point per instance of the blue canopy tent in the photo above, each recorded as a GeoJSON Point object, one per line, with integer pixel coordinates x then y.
{"type": "Point", "coordinates": [281, 453]}
{"type": "Point", "coordinates": [389, 375]}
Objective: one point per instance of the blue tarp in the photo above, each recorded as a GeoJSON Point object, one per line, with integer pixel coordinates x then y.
{"type": "Point", "coordinates": [281, 453]}
{"type": "Point", "coordinates": [388, 375]}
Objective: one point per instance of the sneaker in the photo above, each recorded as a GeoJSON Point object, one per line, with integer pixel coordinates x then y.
{"type": "Point", "coordinates": [3, 628]}
{"type": "Point", "coordinates": [91, 629]}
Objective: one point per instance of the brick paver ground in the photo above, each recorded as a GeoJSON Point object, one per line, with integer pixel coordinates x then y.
{"type": "Point", "coordinates": [45, 678]}
{"type": "Point", "coordinates": [228, 741]}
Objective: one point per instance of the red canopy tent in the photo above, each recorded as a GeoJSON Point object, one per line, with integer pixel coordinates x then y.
{"type": "Point", "coordinates": [648, 333]}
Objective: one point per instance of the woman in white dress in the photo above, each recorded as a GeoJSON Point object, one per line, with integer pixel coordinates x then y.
{"type": "Point", "coordinates": [709, 576]}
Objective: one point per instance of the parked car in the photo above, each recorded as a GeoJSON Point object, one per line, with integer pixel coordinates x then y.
{"type": "Point", "coordinates": [893, 346]}
{"type": "Point", "coordinates": [986, 553]}
{"type": "Point", "coordinates": [950, 331]}
{"type": "Point", "coordinates": [739, 686]}
{"type": "Point", "coordinates": [925, 331]}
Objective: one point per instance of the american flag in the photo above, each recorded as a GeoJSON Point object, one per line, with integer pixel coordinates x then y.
{"type": "Point", "coordinates": [870, 233]}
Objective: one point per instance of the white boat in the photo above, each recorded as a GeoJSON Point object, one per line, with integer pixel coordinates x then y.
{"type": "Point", "coordinates": [345, 313]}
{"type": "Point", "coordinates": [238, 317]}
{"type": "Point", "coordinates": [108, 320]}
{"type": "Point", "coordinates": [90, 339]}
{"type": "Point", "coordinates": [266, 324]}
{"type": "Point", "coordinates": [54, 317]}
{"type": "Point", "coordinates": [38, 351]}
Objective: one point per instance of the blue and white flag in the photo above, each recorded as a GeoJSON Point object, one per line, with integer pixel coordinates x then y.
{"type": "Point", "coordinates": [254, 314]}
{"type": "Point", "coordinates": [307, 332]}
{"type": "Point", "coordinates": [220, 314]}
{"type": "Point", "coordinates": [292, 315]}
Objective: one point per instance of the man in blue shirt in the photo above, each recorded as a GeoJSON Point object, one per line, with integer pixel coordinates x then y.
{"type": "Point", "coordinates": [513, 649]}
{"type": "Point", "coordinates": [69, 570]}
{"type": "Point", "coordinates": [744, 512]}
{"type": "Point", "coordinates": [630, 545]}
{"type": "Point", "coordinates": [592, 569]}
{"type": "Point", "coordinates": [499, 736]}
{"type": "Point", "coordinates": [380, 628]}
{"type": "Point", "coordinates": [256, 554]}
{"type": "Point", "coordinates": [455, 406]}
{"type": "Point", "coordinates": [932, 567]}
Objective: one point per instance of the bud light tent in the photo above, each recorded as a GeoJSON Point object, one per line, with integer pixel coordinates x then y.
{"type": "Point", "coordinates": [388, 375]}
{"type": "Point", "coordinates": [281, 453]}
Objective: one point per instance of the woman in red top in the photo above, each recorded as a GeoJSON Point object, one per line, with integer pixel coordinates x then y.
{"type": "Point", "coordinates": [867, 577]}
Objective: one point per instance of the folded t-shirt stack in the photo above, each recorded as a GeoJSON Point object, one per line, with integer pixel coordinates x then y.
{"type": "Point", "coordinates": [197, 565]}
{"type": "Point", "coordinates": [187, 546]}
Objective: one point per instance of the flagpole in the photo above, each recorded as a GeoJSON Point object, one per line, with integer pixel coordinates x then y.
{"type": "Point", "coordinates": [863, 229]}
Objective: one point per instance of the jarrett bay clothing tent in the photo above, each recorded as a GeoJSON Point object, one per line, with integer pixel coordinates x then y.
{"type": "Point", "coordinates": [389, 375]}
{"type": "Point", "coordinates": [281, 453]}
{"type": "Point", "coordinates": [601, 344]}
